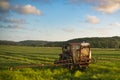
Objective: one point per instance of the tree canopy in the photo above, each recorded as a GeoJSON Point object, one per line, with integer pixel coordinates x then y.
{"type": "Point", "coordinates": [96, 42]}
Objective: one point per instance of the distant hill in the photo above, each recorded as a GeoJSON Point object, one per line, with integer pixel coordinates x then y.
{"type": "Point", "coordinates": [5, 42]}
{"type": "Point", "coordinates": [100, 42]}
{"type": "Point", "coordinates": [96, 42]}
{"type": "Point", "coordinates": [33, 43]}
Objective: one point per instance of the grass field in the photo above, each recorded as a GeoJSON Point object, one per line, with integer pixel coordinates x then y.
{"type": "Point", "coordinates": [107, 66]}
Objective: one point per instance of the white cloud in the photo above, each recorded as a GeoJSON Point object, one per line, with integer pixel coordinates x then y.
{"type": "Point", "coordinates": [68, 30]}
{"type": "Point", "coordinates": [101, 31]}
{"type": "Point", "coordinates": [81, 1]}
{"type": "Point", "coordinates": [4, 6]}
{"type": "Point", "coordinates": [104, 6]}
{"type": "Point", "coordinates": [14, 20]}
{"type": "Point", "coordinates": [104, 31]}
{"type": "Point", "coordinates": [11, 26]}
{"type": "Point", "coordinates": [108, 6]}
{"type": "Point", "coordinates": [26, 9]}
{"type": "Point", "coordinates": [92, 19]}
{"type": "Point", "coordinates": [115, 24]}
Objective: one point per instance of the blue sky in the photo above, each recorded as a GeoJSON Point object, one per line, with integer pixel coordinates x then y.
{"type": "Point", "coordinates": [58, 20]}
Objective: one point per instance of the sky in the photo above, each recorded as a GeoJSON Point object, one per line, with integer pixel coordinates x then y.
{"type": "Point", "coordinates": [58, 20]}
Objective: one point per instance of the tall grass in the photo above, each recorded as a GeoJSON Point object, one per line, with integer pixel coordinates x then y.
{"type": "Point", "coordinates": [106, 67]}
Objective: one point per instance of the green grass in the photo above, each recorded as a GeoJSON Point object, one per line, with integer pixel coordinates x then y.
{"type": "Point", "coordinates": [106, 67]}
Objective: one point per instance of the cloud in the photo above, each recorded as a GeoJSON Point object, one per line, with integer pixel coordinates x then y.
{"type": "Point", "coordinates": [100, 31]}
{"type": "Point", "coordinates": [12, 20]}
{"type": "Point", "coordinates": [26, 9]}
{"type": "Point", "coordinates": [11, 26]}
{"type": "Point", "coordinates": [83, 1]}
{"type": "Point", "coordinates": [43, 1]}
{"type": "Point", "coordinates": [92, 19]}
{"type": "Point", "coordinates": [69, 30]}
{"type": "Point", "coordinates": [115, 24]}
{"type": "Point", "coordinates": [104, 6]}
{"type": "Point", "coordinates": [108, 8]}
{"type": "Point", "coordinates": [103, 31]}
{"type": "Point", "coordinates": [4, 6]}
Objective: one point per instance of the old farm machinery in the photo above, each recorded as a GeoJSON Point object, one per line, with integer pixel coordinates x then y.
{"type": "Point", "coordinates": [74, 55]}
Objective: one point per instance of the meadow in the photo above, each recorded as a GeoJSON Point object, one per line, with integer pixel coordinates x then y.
{"type": "Point", "coordinates": [107, 66]}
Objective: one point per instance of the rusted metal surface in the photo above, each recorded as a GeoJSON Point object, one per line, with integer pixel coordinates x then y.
{"type": "Point", "coordinates": [78, 54]}
{"type": "Point", "coordinates": [73, 54]}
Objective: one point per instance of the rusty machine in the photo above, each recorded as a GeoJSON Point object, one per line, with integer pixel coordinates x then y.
{"type": "Point", "coordinates": [75, 55]}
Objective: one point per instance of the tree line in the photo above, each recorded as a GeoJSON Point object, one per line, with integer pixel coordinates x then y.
{"type": "Point", "coordinates": [96, 42]}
